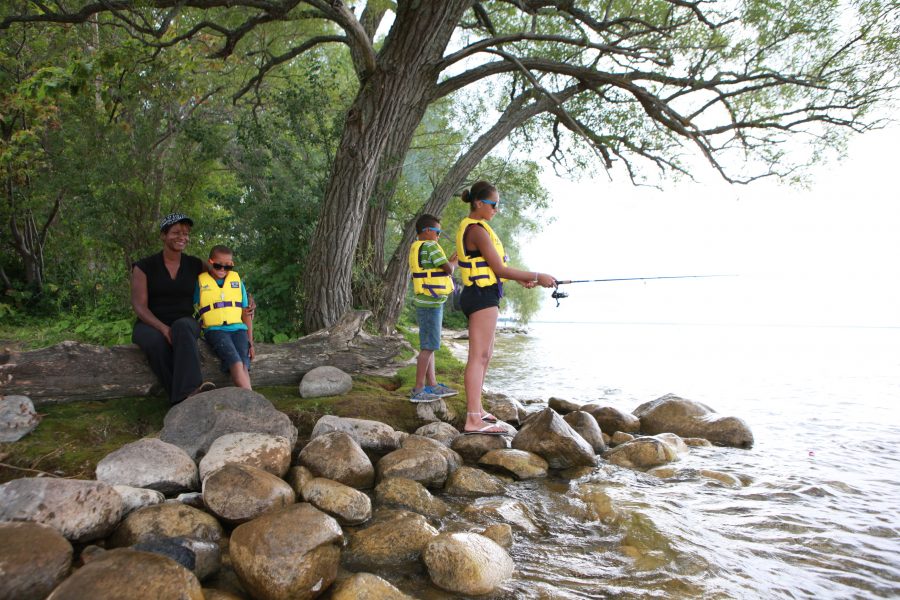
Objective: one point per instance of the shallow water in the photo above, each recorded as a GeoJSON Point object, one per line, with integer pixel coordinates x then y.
{"type": "Point", "coordinates": [818, 511]}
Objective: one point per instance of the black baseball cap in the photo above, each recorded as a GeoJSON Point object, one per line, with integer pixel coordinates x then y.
{"type": "Point", "coordinates": [174, 218]}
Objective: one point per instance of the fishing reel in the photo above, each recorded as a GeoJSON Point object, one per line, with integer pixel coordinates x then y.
{"type": "Point", "coordinates": [557, 295]}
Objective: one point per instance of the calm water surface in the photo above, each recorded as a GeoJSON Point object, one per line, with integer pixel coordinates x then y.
{"type": "Point", "coordinates": [818, 511]}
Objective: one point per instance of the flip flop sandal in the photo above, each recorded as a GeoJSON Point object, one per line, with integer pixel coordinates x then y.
{"type": "Point", "coordinates": [484, 431]}
{"type": "Point", "coordinates": [486, 417]}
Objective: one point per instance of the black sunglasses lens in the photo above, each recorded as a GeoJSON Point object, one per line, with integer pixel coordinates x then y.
{"type": "Point", "coordinates": [217, 266]}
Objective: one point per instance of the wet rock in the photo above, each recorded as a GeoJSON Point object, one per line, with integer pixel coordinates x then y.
{"type": "Point", "coordinates": [641, 453]}
{"type": "Point", "coordinates": [17, 418]}
{"type": "Point", "coordinates": [500, 533]}
{"type": "Point", "coordinates": [412, 495]}
{"type": "Point", "coordinates": [675, 443]}
{"type": "Point", "coordinates": [296, 477]}
{"type": "Point", "coordinates": [428, 467]}
{"type": "Point", "coordinates": [562, 406]}
{"type": "Point", "coordinates": [417, 442]}
{"type": "Point", "coordinates": [372, 436]}
{"type": "Point", "coordinates": [366, 586]}
{"type": "Point", "coordinates": [467, 481]}
{"type": "Point", "coordinates": [240, 493]}
{"type": "Point", "coordinates": [213, 594]}
{"type": "Point", "coordinates": [467, 563]}
{"type": "Point", "coordinates": [506, 409]}
{"type": "Point", "coordinates": [193, 425]}
{"type": "Point", "coordinates": [506, 510]}
{"type": "Point", "coordinates": [663, 472]}
{"type": "Point", "coordinates": [270, 453]}
{"type": "Point", "coordinates": [134, 498]}
{"type": "Point", "coordinates": [325, 381]}
{"type": "Point", "coordinates": [551, 438]}
{"type": "Point", "coordinates": [34, 558]}
{"type": "Point", "coordinates": [80, 510]}
{"type": "Point", "coordinates": [473, 447]}
{"type": "Point", "coordinates": [619, 438]}
{"type": "Point", "coordinates": [687, 418]}
{"type": "Point", "coordinates": [338, 457]}
{"type": "Point", "coordinates": [166, 521]}
{"type": "Point", "coordinates": [170, 548]}
{"type": "Point", "coordinates": [607, 439]}
{"type": "Point", "coordinates": [442, 432]}
{"type": "Point", "coordinates": [395, 538]}
{"type": "Point", "coordinates": [150, 463]}
{"type": "Point", "coordinates": [125, 573]}
{"type": "Point", "coordinates": [694, 442]}
{"type": "Point", "coordinates": [291, 553]}
{"type": "Point", "coordinates": [348, 505]}
{"type": "Point", "coordinates": [611, 419]}
{"type": "Point", "coordinates": [586, 426]}
{"type": "Point", "coordinates": [600, 505]}
{"type": "Point", "coordinates": [726, 479]}
{"type": "Point", "coordinates": [521, 464]}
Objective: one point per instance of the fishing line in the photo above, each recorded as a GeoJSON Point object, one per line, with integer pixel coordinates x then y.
{"type": "Point", "coordinates": [557, 295]}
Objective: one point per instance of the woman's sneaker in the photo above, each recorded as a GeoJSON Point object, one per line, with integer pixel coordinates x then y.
{"type": "Point", "coordinates": [423, 395]}
{"type": "Point", "coordinates": [440, 390]}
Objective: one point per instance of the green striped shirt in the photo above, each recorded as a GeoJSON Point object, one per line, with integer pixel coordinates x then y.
{"type": "Point", "coordinates": [431, 256]}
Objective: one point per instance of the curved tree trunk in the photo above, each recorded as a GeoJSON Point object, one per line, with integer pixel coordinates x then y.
{"type": "Point", "coordinates": [391, 101]}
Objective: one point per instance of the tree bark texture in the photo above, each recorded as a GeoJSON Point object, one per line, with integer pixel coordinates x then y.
{"type": "Point", "coordinates": [391, 101]}
{"type": "Point", "coordinates": [72, 371]}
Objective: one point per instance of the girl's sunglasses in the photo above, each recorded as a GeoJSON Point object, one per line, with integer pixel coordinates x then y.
{"type": "Point", "coordinates": [434, 229]}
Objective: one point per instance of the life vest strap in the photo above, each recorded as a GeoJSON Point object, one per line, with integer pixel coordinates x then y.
{"type": "Point", "coordinates": [430, 274]}
{"type": "Point", "coordinates": [431, 288]}
{"type": "Point", "coordinates": [474, 277]}
{"type": "Point", "coordinates": [468, 265]}
{"type": "Point", "coordinates": [226, 304]}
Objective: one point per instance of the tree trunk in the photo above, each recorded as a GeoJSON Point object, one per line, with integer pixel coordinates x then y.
{"type": "Point", "coordinates": [72, 371]}
{"type": "Point", "coordinates": [391, 101]}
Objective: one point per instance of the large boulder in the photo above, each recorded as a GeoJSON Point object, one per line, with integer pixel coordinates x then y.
{"type": "Point", "coordinates": [171, 519]}
{"type": "Point", "coordinates": [240, 493]}
{"type": "Point", "coordinates": [611, 419]}
{"type": "Point", "coordinates": [290, 554]}
{"type": "Point", "coordinates": [550, 437]}
{"type": "Point", "coordinates": [428, 467]}
{"type": "Point", "coordinates": [17, 417]}
{"type": "Point", "coordinates": [366, 586]}
{"type": "Point", "coordinates": [150, 463]}
{"type": "Point", "coordinates": [468, 481]}
{"type": "Point", "coordinates": [34, 558]}
{"type": "Point", "coordinates": [521, 464]}
{"type": "Point", "coordinates": [467, 563]}
{"type": "Point", "coordinates": [197, 422]}
{"type": "Point", "coordinates": [348, 505]}
{"type": "Point", "coordinates": [394, 538]}
{"type": "Point", "coordinates": [337, 456]}
{"type": "Point", "coordinates": [586, 426]}
{"type": "Point", "coordinates": [642, 453]}
{"type": "Point", "coordinates": [125, 573]}
{"type": "Point", "coordinates": [80, 510]}
{"type": "Point", "coordinates": [372, 436]}
{"type": "Point", "coordinates": [270, 453]}
{"type": "Point", "coordinates": [325, 381]}
{"type": "Point", "coordinates": [408, 494]}
{"type": "Point", "coordinates": [687, 418]}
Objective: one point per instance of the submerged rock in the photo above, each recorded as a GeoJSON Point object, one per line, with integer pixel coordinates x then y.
{"type": "Point", "coordinates": [641, 453]}
{"type": "Point", "coordinates": [270, 453]}
{"type": "Point", "coordinates": [412, 495]}
{"type": "Point", "coordinates": [338, 457]}
{"type": "Point", "coordinates": [467, 563]}
{"type": "Point", "coordinates": [551, 438]}
{"type": "Point", "coordinates": [80, 510]}
{"type": "Point", "coordinates": [726, 479]}
{"type": "Point", "coordinates": [34, 559]}
{"type": "Point", "coordinates": [325, 381]}
{"type": "Point", "coordinates": [687, 418]}
{"type": "Point", "coordinates": [150, 463]}
{"type": "Point", "coordinates": [506, 510]}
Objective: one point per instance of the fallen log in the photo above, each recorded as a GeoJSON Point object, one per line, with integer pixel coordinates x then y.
{"type": "Point", "coordinates": [72, 371]}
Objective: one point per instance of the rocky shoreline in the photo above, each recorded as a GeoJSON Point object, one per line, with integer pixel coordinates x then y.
{"type": "Point", "coordinates": [226, 504]}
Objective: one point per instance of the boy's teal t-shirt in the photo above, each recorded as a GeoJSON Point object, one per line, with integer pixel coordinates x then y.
{"type": "Point", "coordinates": [230, 326]}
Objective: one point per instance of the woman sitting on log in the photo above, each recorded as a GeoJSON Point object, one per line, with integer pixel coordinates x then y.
{"type": "Point", "coordinates": [162, 294]}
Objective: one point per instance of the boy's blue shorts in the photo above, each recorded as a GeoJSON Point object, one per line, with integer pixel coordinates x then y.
{"type": "Point", "coordinates": [429, 320]}
{"type": "Point", "coordinates": [230, 346]}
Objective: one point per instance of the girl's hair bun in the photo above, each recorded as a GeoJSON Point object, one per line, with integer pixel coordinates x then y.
{"type": "Point", "coordinates": [465, 195]}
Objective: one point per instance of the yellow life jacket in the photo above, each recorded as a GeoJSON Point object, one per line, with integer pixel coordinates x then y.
{"type": "Point", "coordinates": [220, 305]}
{"type": "Point", "coordinates": [474, 269]}
{"type": "Point", "coordinates": [437, 283]}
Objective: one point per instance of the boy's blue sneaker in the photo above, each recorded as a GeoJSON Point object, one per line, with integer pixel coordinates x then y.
{"type": "Point", "coordinates": [423, 395]}
{"type": "Point", "coordinates": [440, 390]}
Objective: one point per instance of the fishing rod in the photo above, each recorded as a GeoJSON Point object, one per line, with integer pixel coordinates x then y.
{"type": "Point", "coordinates": [557, 295]}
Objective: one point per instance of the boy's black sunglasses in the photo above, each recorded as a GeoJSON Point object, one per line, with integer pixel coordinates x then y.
{"type": "Point", "coordinates": [217, 266]}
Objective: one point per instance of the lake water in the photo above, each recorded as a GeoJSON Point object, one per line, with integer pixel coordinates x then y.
{"type": "Point", "coordinates": [818, 514]}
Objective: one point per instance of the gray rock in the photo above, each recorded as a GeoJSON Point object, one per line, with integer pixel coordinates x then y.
{"type": "Point", "coordinates": [551, 438]}
{"type": "Point", "coordinates": [239, 493]}
{"type": "Point", "coordinates": [270, 453]}
{"type": "Point", "coordinates": [445, 433]}
{"type": "Point", "coordinates": [408, 494]}
{"type": "Point", "coordinates": [171, 548]}
{"type": "Point", "coordinates": [337, 456]}
{"type": "Point", "coordinates": [467, 481]}
{"type": "Point", "coordinates": [346, 504]}
{"type": "Point", "coordinates": [611, 419]}
{"type": "Point", "coordinates": [150, 463]}
{"type": "Point", "coordinates": [290, 553]}
{"type": "Point", "coordinates": [126, 573]}
{"type": "Point", "coordinates": [325, 381]}
{"type": "Point", "coordinates": [687, 418]}
{"type": "Point", "coordinates": [586, 426]}
{"type": "Point", "coordinates": [135, 498]}
{"type": "Point", "coordinates": [80, 510]}
{"type": "Point", "coordinates": [372, 436]}
{"type": "Point", "coordinates": [467, 563]}
{"type": "Point", "coordinates": [193, 425]}
{"type": "Point", "coordinates": [34, 559]}
{"type": "Point", "coordinates": [17, 418]}
{"type": "Point", "coordinates": [200, 557]}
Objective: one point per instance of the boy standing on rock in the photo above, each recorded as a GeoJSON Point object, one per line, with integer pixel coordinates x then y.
{"type": "Point", "coordinates": [432, 283]}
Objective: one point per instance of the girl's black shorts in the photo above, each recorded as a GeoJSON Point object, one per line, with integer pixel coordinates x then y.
{"type": "Point", "coordinates": [476, 298]}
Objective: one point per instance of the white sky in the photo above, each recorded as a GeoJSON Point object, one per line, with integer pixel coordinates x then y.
{"type": "Point", "coordinates": [823, 256]}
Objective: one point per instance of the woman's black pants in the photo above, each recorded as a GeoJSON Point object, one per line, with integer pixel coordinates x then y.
{"type": "Point", "coordinates": [177, 365]}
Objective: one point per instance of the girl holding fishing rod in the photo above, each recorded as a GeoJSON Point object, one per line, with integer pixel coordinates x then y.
{"type": "Point", "coordinates": [482, 266]}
